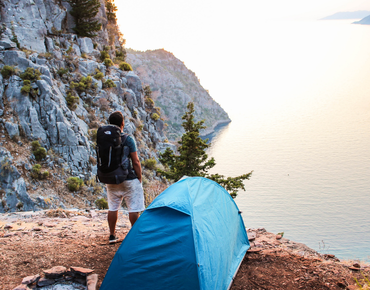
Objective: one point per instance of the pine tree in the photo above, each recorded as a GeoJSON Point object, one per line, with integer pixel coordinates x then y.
{"type": "Point", "coordinates": [84, 12]}
{"type": "Point", "coordinates": [111, 10]}
{"type": "Point", "coordinates": [193, 159]}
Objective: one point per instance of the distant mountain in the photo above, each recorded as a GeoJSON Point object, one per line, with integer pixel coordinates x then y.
{"type": "Point", "coordinates": [347, 15]}
{"type": "Point", "coordinates": [173, 85]}
{"type": "Point", "coordinates": [364, 21]}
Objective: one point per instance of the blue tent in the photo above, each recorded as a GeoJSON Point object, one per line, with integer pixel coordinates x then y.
{"type": "Point", "coordinates": [191, 237]}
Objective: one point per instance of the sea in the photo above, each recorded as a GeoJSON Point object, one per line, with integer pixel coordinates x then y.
{"type": "Point", "coordinates": [298, 94]}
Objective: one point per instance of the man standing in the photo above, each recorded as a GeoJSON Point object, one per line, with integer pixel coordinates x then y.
{"type": "Point", "coordinates": [131, 189]}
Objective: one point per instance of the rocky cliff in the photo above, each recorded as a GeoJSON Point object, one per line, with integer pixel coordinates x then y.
{"type": "Point", "coordinates": [55, 89]}
{"type": "Point", "coordinates": [173, 85]}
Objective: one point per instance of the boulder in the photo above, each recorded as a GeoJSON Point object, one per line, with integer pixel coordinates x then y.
{"type": "Point", "coordinates": [86, 44]}
{"type": "Point", "coordinates": [12, 129]}
{"type": "Point", "coordinates": [87, 67]}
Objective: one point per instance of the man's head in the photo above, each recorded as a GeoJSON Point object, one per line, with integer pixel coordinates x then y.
{"type": "Point", "coordinates": [117, 119]}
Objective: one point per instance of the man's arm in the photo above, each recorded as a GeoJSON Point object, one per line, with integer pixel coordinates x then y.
{"type": "Point", "coordinates": [136, 164]}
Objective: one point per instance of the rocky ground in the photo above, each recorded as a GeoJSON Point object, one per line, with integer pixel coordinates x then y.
{"type": "Point", "coordinates": [35, 241]}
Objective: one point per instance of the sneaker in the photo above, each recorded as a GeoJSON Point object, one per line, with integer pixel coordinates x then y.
{"type": "Point", "coordinates": [112, 239]}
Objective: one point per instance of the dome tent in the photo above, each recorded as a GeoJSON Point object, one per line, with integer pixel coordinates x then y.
{"type": "Point", "coordinates": [192, 236]}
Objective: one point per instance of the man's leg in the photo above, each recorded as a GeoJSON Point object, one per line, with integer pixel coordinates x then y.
{"type": "Point", "coordinates": [112, 221]}
{"type": "Point", "coordinates": [133, 216]}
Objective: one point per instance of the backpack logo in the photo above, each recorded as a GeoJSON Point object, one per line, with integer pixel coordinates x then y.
{"type": "Point", "coordinates": [108, 132]}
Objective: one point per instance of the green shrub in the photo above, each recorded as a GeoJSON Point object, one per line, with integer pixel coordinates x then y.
{"type": "Point", "coordinates": [74, 183]}
{"type": "Point", "coordinates": [99, 75]}
{"type": "Point", "coordinates": [150, 163]}
{"type": "Point", "coordinates": [26, 89]}
{"type": "Point", "coordinates": [103, 55]}
{"type": "Point", "coordinates": [83, 85]}
{"type": "Point", "coordinates": [72, 101]}
{"type": "Point", "coordinates": [7, 71]}
{"type": "Point", "coordinates": [155, 116]}
{"type": "Point", "coordinates": [69, 50]}
{"type": "Point", "coordinates": [40, 153]}
{"type": "Point", "coordinates": [109, 84]}
{"type": "Point", "coordinates": [30, 74]}
{"type": "Point", "coordinates": [35, 145]}
{"type": "Point", "coordinates": [101, 203]}
{"type": "Point", "coordinates": [149, 102]}
{"type": "Point", "coordinates": [108, 62]}
{"type": "Point", "coordinates": [120, 53]}
{"type": "Point", "coordinates": [36, 172]}
{"type": "Point", "coordinates": [62, 71]}
{"type": "Point", "coordinates": [125, 66]}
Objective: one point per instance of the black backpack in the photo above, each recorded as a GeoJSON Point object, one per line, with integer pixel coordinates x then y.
{"type": "Point", "coordinates": [112, 156]}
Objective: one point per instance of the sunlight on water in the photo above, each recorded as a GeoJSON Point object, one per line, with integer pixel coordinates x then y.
{"type": "Point", "coordinates": [300, 105]}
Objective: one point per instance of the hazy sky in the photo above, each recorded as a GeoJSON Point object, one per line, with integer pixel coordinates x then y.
{"type": "Point", "coordinates": [149, 24]}
{"type": "Point", "coordinates": [213, 36]}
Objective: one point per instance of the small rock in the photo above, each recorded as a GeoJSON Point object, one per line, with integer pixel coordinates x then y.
{"type": "Point", "coordinates": [55, 272]}
{"type": "Point", "coordinates": [36, 229]}
{"type": "Point", "coordinates": [254, 250]}
{"type": "Point", "coordinates": [8, 227]}
{"type": "Point", "coordinates": [81, 271]}
{"type": "Point", "coordinates": [278, 237]}
{"type": "Point", "coordinates": [354, 268]}
{"type": "Point", "coordinates": [31, 279]}
{"type": "Point", "coordinates": [92, 281]}
{"type": "Point", "coordinates": [357, 265]}
{"type": "Point", "coordinates": [45, 282]}
{"type": "Point", "coordinates": [252, 236]}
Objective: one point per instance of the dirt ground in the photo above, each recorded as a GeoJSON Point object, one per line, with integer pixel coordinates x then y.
{"type": "Point", "coordinates": [31, 243]}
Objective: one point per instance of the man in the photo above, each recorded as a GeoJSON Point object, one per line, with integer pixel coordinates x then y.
{"type": "Point", "coordinates": [131, 189]}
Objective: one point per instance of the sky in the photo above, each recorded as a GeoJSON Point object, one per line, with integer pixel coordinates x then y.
{"type": "Point", "coordinates": [149, 24]}
{"type": "Point", "coordinates": [203, 33]}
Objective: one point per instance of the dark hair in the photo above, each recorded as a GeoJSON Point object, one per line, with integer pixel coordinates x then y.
{"type": "Point", "coordinates": [116, 118]}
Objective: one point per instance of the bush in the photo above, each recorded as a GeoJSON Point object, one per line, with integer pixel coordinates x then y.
{"type": "Point", "coordinates": [109, 84]}
{"type": "Point", "coordinates": [108, 62]}
{"type": "Point", "coordinates": [36, 172]}
{"type": "Point", "coordinates": [30, 74]}
{"type": "Point", "coordinates": [150, 163]}
{"type": "Point", "coordinates": [7, 71]}
{"type": "Point", "coordinates": [101, 203]}
{"type": "Point", "coordinates": [103, 55]}
{"type": "Point", "coordinates": [125, 66]}
{"type": "Point", "coordinates": [62, 71]}
{"type": "Point", "coordinates": [83, 85]}
{"type": "Point", "coordinates": [26, 89]}
{"type": "Point", "coordinates": [74, 183]}
{"type": "Point", "coordinates": [155, 116]}
{"type": "Point", "coordinates": [40, 153]}
{"type": "Point", "coordinates": [72, 101]}
{"type": "Point", "coordinates": [69, 50]}
{"type": "Point", "coordinates": [99, 75]}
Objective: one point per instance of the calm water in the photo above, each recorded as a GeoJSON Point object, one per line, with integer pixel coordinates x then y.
{"type": "Point", "coordinates": [300, 105]}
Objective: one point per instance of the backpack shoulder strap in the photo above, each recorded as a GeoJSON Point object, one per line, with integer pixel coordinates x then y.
{"type": "Point", "coordinates": [124, 138]}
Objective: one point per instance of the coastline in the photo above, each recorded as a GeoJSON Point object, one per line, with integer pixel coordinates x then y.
{"type": "Point", "coordinates": [211, 132]}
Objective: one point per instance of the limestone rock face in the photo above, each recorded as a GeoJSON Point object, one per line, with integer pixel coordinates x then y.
{"type": "Point", "coordinates": [173, 85]}
{"type": "Point", "coordinates": [31, 20]}
{"type": "Point", "coordinates": [13, 188]}
{"type": "Point", "coordinates": [65, 132]}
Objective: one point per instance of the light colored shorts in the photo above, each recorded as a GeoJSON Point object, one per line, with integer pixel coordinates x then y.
{"type": "Point", "coordinates": [131, 191]}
